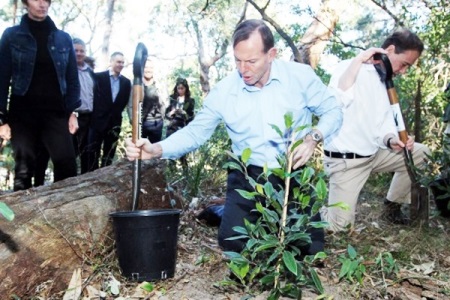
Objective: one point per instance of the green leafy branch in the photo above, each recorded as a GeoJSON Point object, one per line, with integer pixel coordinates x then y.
{"type": "Point", "coordinates": [272, 256]}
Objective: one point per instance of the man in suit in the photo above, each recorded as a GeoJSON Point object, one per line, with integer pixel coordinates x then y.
{"type": "Point", "coordinates": [110, 99]}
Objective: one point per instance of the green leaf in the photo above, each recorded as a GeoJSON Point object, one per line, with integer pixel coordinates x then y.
{"type": "Point", "coordinates": [147, 286]}
{"type": "Point", "coordinates": [270, 216]}
{"type": "Point", "coordinates": [259, 189]}
{"type": "Point", "coordinates": [268, 189]}
{"type": "Point", "coordinates": [290, 262]}
{"type": "Point", "coordinates": [233, 166]}
{"type": "Point", "coordinates": [320, 255]}
{"type": "Point", "coordinates": [266, 245]}
{"type": "Point", "coordinates": [259, 207]}
{"type": "Point", "coordinates": [277, 129]}
{"type": "Point", "coordinates": [296, 144]}
{"type": "Point", "coordinates": [6, 212]}
{"type": "Point", "coordinates": [279, 173]}
{"type": "Point", "coordinates": [240, 270]}
{"type": "Point", "coordinates": [268, 279]}
{"type": "Point", "coordinates": [321, 189]}
{"type": "Point", "coordinates": [301, 238]}
{"type": "Point", "coordinates": [307, 173]}
{"type": "Point", "coordinates": [246, 155]}
{"type": "Point", "coordinates": [351, 251]}
{"type": "Point", "coordinates": [316, 280]}
{"type": "Point", "coordinates": [246, 194]}
{"type": "Point", "coordinates": [232, 255]}
{"type": "Point", "coordinates": [341, 205]}
{"type": "Point", "coordinates": [240, 229]}
{"type": "Point", "coordinates": [345, 269]}
{"type": "Point", "coordinates": [288, 119]}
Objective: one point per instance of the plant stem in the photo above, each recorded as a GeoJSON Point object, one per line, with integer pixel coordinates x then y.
{"type": "Point", "coordinates": [281, 234]}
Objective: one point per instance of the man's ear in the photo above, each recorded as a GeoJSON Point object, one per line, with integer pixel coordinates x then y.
{"type": "Point", "coordinates": [272, 53]}
{"type": "Point", "coordinates": [391, 49]}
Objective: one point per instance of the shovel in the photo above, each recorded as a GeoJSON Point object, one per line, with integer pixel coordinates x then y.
{"type": "Point", "coordinates": [419, 208]}
{"type": "Point", "coordinates": [140, 57]}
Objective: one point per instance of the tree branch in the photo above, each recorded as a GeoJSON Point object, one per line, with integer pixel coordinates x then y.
{"type": "Point", "coordinates": [277, 27]}
{"type": "Point", "coordinates": [383, 6]}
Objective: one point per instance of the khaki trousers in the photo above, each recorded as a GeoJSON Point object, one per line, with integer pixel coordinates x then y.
{"type": "Point", "coordinates": [348, 176]}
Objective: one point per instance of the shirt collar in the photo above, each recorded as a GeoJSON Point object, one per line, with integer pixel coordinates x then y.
{"type": "Point", "coordinates": [111, 74]}
{"type": "Point", "coordinates": [85, 67]}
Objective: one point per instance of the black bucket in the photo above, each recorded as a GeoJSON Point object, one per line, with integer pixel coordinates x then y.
{"type": "Point", "coordinates": [146, 243]}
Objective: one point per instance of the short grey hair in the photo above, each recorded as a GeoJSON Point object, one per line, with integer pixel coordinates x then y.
{"type": "Point", "coordinates": [78, 41]}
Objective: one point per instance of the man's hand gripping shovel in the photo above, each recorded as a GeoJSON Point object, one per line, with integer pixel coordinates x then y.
{"type": "Point", "coordinates": [140, 57]}
{"type": "Point", "coordinates": [419, 209]}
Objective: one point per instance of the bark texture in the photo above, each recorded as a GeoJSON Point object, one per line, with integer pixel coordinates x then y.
{"type": "Point", "coordinates": [59, 225]}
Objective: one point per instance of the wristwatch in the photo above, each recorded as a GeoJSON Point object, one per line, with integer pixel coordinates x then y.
{"type": "Point", "coordinates": [75, 113]}
{"type": "Point", "coordinates": [317, 137]}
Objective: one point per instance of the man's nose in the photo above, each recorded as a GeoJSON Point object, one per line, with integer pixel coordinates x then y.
{"type": "Point", "coordinates": [242, 66]}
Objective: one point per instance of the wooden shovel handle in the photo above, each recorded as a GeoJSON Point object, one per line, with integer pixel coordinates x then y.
{"type": "Point", "coordinates": [398, 117]}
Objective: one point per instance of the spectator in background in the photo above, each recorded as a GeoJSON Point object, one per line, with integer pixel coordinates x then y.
{"type": "Point", "coordinates": [87, 84]}
{"type": "Point", "coordinates": [110, 99]}
{"type": "Point", "coordinates": [181, 107]}
{"type": "Point", "coordinates": [152, 112]}
{"type": "Point", "coordinates": [45, 91]}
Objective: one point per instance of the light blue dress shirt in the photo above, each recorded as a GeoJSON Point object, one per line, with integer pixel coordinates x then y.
{"type": "Point", "coordinates": [115, 85]}
{"type": "Point", "coordinates": [248, 113]}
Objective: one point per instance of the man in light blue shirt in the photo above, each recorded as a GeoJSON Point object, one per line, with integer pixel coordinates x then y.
{"type": "Point", "coordinates": [259, 93]}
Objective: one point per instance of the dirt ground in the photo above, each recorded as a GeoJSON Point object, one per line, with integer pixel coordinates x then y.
{"type": "Point", "coordinates": [424, 270]}
{"type": "Point", "coordinates": [423, 254]}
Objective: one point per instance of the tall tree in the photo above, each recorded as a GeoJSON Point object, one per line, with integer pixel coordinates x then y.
{"type": "Point", "coordinates": [108, 31]}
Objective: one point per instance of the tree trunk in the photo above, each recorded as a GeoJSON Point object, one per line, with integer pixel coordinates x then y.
{"type": "Point", "coordinates": [316, 37]}
{"type": "Point", "coordinates": [207, 62]}
{"type": "Point", "coordinates": [108, 30]}
{"type": "Point", "coordinates": [58, 227]}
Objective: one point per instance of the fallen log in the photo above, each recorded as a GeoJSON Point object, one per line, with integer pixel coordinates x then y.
{"type": "Point", "coordinates": [57, 226]}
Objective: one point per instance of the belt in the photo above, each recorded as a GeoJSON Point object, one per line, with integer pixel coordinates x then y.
{"type": "Point", "coordinates": [347, 155]}
{"type": "Point", "coordinates": [84, 112]}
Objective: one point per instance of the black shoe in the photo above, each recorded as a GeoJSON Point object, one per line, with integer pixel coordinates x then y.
{"type": "Point", "coordinates": [392, 212]}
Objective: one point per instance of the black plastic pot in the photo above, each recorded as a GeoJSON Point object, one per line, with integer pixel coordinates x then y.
{"type": "Point", "coordinates": [441, 192]}
{"type": "Point", "coordinates": [146, 243]}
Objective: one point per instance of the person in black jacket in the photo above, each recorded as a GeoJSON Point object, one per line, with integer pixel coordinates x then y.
{"type": "Point", "coordinates": [110, 99]}
{"type": "Point", "coordinates": [181, 108]}
{"type": "Point", "coordinates": [39, 68]}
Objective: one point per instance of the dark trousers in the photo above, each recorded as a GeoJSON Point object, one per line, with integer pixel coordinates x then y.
{"type": "Point", "coordinates": [42, 160]}
{"type": "Point", "coordinates": [152, 130]}
{"type": "Point", "coordinates": [31, 133]}
{"type": "Point", "coordinates": [238, 208]}
{"type": "Point", "coordinates": [102, 147]}
{"type": "Point", "coordinates": [80, 140]}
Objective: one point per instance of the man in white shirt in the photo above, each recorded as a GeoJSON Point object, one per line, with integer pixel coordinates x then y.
{"type": "Point", "coordinates": [368, 141]}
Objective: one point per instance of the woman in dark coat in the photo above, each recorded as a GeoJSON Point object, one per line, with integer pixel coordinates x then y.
{"type": "Point", "coordinates": [181, 108]}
